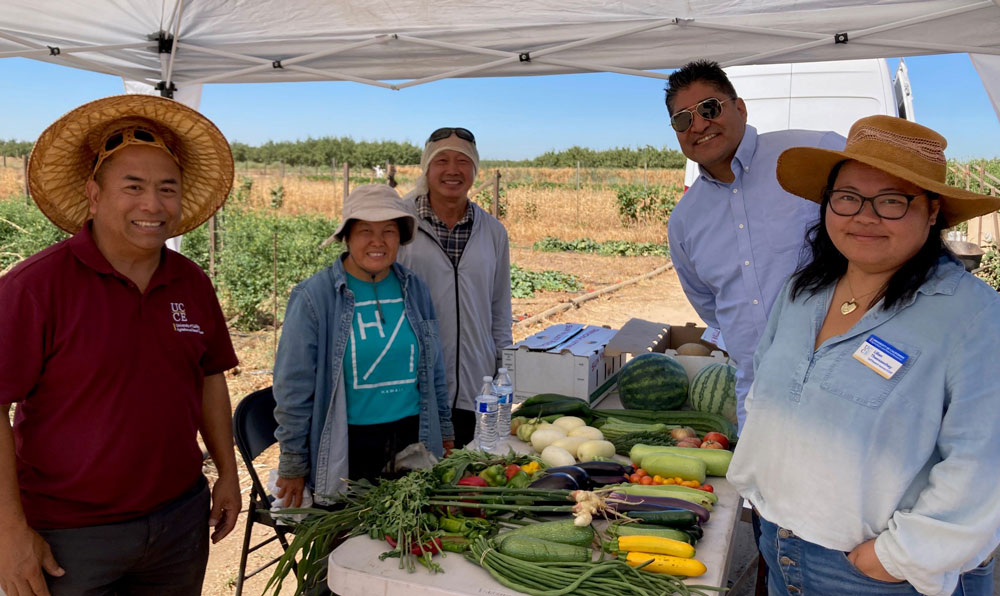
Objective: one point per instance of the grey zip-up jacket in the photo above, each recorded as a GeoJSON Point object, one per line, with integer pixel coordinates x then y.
{"type": "Point", "coordinates": [472, 300]}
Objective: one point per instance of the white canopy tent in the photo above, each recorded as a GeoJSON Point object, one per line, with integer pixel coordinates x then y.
{"type": "Point", "coordinates": [401, 43]}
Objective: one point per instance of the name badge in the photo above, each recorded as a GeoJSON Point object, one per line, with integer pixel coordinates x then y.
{"type": "Point", "coordinates": [880, 356]}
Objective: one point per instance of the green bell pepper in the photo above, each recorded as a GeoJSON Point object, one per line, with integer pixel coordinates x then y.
{"type": "Point", "coordinates": [495, 475]}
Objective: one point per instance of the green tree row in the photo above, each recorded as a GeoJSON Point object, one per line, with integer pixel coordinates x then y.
{"type": "Point", "coordinates": [619, 157]}
{"type": "Point", "coordinates": [13, 148]}
{"type": "Point", "coordinates": [320, 152]}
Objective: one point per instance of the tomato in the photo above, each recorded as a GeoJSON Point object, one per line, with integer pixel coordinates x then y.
{"type": "Point", "coordinates": [511, 470]}
{"type": "Point", "coordinates": [708, 488]}
{"type": "Point", "coordinates": [718, 438]}
{"type": "Point", "coordinates": [646, 480]}
{"type": "Point", "coordinates": [712, 445]}
{"type": "Point", "coordinates": [641, 472]}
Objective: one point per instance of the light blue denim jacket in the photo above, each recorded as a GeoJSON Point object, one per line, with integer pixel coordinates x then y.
{"type": "Point", "coordinates": [309, 381]}
{"type": "Point", "coordinates": [840, 455]}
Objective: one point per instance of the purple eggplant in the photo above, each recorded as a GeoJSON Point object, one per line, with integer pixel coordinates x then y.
{"type": "Point", "coordinates": [602, 468]}
{"type": "Point", "coordinates": [597, 480]}
{"type": "Point", "coordinates": [626, 503]}
{"type": "Point", "coordinates": [578, 473]}
{"type": "Point", "coordinates": [558, 480]}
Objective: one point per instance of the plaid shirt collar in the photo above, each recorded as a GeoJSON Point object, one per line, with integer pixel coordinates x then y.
{"type": "Point", "coordinates": [452, 240]}
{"type": "Point", "coordinates": [425, 211]}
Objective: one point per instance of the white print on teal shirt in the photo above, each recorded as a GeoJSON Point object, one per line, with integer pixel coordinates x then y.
{"type": "Point", "coordinates": [880, 356]}
{"type": "Point", "coordinates": [385, 372]}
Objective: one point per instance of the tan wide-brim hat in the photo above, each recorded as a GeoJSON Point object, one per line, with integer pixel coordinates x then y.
{"type": "Point", "coordinates": [62, 159]}
{"type": "Point", "coordinates": [896, 146]}
{"type": "Point", "coordinates": [377, 202]}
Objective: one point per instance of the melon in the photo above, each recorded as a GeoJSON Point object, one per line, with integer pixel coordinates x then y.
{"type": "Point", "coordinates": [713, 390]}
{"type": "Point", "coordinates": [653, 381]}
{"type": "Point", "coordinates": [693, 349]}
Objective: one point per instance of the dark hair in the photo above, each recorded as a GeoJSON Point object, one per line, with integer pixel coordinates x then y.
{"type": "Point", "coordinates": [349, 226]}
{"type": "Point", "coordinates": [828, 264]}
{"type": "Point", "coordinates": [706, 71]}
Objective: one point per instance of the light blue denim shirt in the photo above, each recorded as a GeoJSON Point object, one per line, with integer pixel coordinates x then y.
{"type": "Point", "coordinates": [840, 455]}
{"type": "Point", "coordinates": [734, 245]}
{"type": "Point", "coordinates": [309, 378]}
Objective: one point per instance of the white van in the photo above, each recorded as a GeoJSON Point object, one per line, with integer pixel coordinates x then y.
{"type": "Point", "coordinates": [817, 96]}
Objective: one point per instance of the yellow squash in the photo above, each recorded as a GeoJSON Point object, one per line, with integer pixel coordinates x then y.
{"type": "Point", "coordinates": [656, 545]}
{"type": "Point", "coordinates": [667, 564]}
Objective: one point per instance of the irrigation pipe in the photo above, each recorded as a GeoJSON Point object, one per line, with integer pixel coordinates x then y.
{"type": "Point", "coordinates": [576, 302]}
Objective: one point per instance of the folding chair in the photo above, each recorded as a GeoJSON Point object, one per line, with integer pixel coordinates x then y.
{"type": "Point", "coordinates": [253, 430]}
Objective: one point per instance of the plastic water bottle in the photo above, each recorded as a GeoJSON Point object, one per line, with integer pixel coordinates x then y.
{"type": "Point", "coordinates": [504, 388]}
{"type": "Point", "coordinates": [486, 417]}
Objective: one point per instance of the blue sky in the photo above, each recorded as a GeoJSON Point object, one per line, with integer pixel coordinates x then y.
{"type": "Point", "coordinates": [513, 118]}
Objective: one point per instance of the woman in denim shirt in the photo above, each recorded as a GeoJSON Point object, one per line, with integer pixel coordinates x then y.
{"type": "Point", "coordinates": [869, 449]}
{"type": "Point", "coordinates": [359, 374]}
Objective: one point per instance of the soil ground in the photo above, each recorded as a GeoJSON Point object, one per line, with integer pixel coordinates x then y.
{"type": "Point", "coordinates": [656, 299]}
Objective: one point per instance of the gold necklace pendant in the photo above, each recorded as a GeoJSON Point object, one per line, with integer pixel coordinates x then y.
{"type": "Point", "coordinates": [848, 307]}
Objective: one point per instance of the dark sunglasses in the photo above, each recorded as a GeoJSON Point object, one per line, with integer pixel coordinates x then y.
{"type": "Point", "coordinates": [709, 109]}
{"type": "Point", "coordinates": [443, 133]}
{"type": "Point", "coordinates": [130, 136]}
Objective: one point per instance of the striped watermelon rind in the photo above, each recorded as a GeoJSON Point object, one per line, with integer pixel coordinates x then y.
{"type": "Point", "coordinates": [713, 390]}
{"type": "Point", "coordinates": [653, 381]}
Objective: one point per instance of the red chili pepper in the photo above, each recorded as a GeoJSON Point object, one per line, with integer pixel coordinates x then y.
{"type": "Point", "coordinates": [432, 546]}
{"type": "Point", "coordinates": [707, 488]}
{"type": "Point", "coordinates": [472, 481]}
{"type": "Point", "coordinates": [511, 470]}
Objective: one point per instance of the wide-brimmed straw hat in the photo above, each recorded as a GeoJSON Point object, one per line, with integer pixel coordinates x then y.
{"type": "Point", "coordinates": [377, 202]}
{"type": "Point", "coordinates": [63, 157]}
{"type": "Point", "coordinates": [896, 146]}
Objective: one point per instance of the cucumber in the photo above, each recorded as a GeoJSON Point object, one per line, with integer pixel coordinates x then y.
{"type": "Point", "coordinates": [672, 518]}
{"type": "Point", "coordinates": [567, 406]}
{"type": "Point", "coordinates": [716, 460]}
{"type": "Point", "coordinates": [702, 422]}
{"type": "Point", "coordinates": [648, 530]}
{"type": "Point", "coordinates": [537, 550]}
{"type": "Point", "coordinates": [670, 465]}
{"type": "Point", "coordinates": [562, 531]}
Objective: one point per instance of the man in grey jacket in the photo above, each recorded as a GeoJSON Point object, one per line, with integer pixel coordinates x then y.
{"type": "Point", "coordinates": [463, 255]}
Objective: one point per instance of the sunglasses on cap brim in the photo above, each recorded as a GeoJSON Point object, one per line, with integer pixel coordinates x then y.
{"type": "Point", "coordinates": [126, 137]}
{"type": "Point", "coordinates": [709, 109]}
{"type": "Point", "coordinates": [443, 133]}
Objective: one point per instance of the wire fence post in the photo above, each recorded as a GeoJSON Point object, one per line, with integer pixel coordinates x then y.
{"type": "Point", "coordinates": [578, 194]}
{"type": "Point", "coordinates": [496, 196]}
{"type": "Point", "coordinates": [347, 183]}
{"type": "Point", "coordinates": [27, 189]}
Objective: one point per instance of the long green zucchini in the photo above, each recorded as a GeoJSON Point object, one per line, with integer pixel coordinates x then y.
{"type": "Point", "coordinates": [702, 422]}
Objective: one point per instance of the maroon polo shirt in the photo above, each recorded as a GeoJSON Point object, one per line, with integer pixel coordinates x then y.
{"type": "Point", "coordinates": [108, 381]}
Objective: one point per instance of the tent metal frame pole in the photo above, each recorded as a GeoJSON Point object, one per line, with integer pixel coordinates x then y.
{"type": "Point", "coordinates": [179, 11]}
{"type": "Point", "coordinates": [935, 47]}
{"type": "Point", "coordinates": [607, 36]}
{"type": "Point", "coordinates": [89, 65]}
{"type": "Point", "coordinates": [855, 36]}
{"type": "Point", "coordinates": [583, 66]}
{"type": "Point", "coordinates": [35, 53]}
{"type": "Point", "coordinates": [457, 72]}
{"type": "Point", "coordinates": [263, 64]}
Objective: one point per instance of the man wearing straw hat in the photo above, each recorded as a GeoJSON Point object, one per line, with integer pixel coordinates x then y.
{"type": "Point", "coordinates": [463, 254]}
{"type": "Point", "coordinates": [114, 349]}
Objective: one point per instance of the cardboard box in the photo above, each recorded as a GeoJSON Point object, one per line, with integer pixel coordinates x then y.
{"type": "Point", "coordinates": [638, 337]}
{"type": "Point", "coordinates": [568, 359]}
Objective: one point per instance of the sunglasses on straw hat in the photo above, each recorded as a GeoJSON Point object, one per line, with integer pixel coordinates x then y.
{"type": "Point", "coordinates": [135, 135]}
{"type": "Point", "coordinates": [709, 109]}
{"type": "Point", "coordinates": [443, 133]}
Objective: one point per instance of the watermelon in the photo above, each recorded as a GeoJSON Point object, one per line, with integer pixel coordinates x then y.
{"type": "Point", "coordinates": [713, 390]}
{"type": "Point", "coordinates": [653, 381]}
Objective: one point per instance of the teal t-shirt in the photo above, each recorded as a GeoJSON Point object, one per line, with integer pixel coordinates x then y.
{"type": "Point", "coordinates": [380, 363]}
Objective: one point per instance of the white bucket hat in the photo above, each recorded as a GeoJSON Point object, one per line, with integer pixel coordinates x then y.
{"type": "Point", "coordinates": [376, 202]}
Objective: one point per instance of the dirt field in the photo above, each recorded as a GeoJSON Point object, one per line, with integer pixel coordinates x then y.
{"type": "Point", "coordinates": [657, 299]}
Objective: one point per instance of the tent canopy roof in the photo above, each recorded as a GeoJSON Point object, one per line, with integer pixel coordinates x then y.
{"type": "Point", "coordinates": [401, 43]}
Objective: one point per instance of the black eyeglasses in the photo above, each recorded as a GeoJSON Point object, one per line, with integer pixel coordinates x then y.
{"type": "Point", "coordinates": [443, 133]}
{"type": "Point", "coordinates": [709, 109]}
{"type": "Point", "coordinates": [890, 205]}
